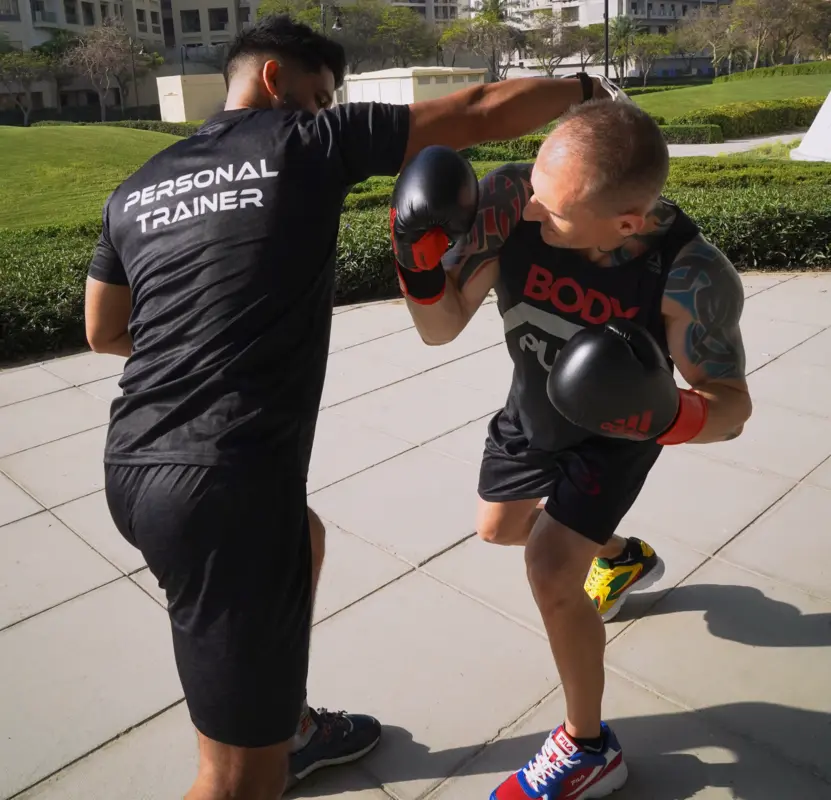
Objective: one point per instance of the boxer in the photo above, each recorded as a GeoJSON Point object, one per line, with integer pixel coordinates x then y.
{"type": "Point", "coordinates": [603, 285]}
{"type": "Point", "coordinates": [214, 274]}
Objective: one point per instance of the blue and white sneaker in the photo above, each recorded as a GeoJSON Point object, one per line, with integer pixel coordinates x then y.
{"type": "Point", "coordinates": [562, 770]}
{"type": "Point", "coordinates": [338, 738]}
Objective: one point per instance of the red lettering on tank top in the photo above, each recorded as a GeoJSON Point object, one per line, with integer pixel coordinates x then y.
{"type": "Point", "coordinates": [505, 225]}
{"type": "Point", "coordinates": [489, 222]}
{"type": "Point", "coordinates": [568, 297]}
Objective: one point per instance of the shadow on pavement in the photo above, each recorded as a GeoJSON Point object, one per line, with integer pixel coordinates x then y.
{"type": "Point", "coordinates": [659, 767]}
{"type": "Point", "coordinates": [738, 613]}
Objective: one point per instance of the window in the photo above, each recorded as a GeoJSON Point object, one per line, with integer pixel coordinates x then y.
{"type": "Point", "coordinates": [156, 21]}
{"type": "Point", "coordinates": [244, 14]}
{"type": "Point", "coordinates": [649, 9]}
{"type": "Point", "coordinates": [683, 11]}
{"type": "Point", "coordinates": [105, 11]}
{"type": "Point", "coordinates": [88, 14]}
{"type": "Point", "coordinates": [10, 11]}
{"type": "Point", "coordinates": [571, 14]}
{"type": "Point", "coordinates": [634, 8]}
{"type": "Point", "coordinates": [141, 20]}
{"type": "Point", "coordinates": [70, 11]}
{"type": "Point", "coordinates": [662, 11]}
{"type": "Point", "coordinates": [218, 19]}
{"type": "Point", "coordinates": [190, 21]}
{"type": "Point", "coordinates": [662, 29]}
{"type": "Point", "coordinates": [672, 10]}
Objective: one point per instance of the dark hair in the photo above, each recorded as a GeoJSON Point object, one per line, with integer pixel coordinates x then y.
{"type": "Point", "coordinates": [625, 147]}
{"type": "Point", "coordinates": [279, 35]}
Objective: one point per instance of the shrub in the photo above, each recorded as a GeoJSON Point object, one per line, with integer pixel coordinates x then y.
{"type": "Point", "coordinates": [42, 270]}
{"type": "Point", "coordinates": [634, 91]}
{"type": "Point", "coordinates": [747, 119]}
{"type": "Point", "coordinates": [183, 129]}
{"type": "Point", "coordinates": [692, 134]}
{"type": "Point", "coordinates": [811, 68]}
{"type": "Point", "coordinates": [90, 113]}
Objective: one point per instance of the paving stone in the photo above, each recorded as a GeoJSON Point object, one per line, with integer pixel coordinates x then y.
{"type": "Point", "coordinates": [727, 639]}
{"type": "Point", "coordinates": [47, 418]}
{"type": "Point", "coordinates": [765, 338]}
{"type": "Point", "coordinates": [42, 563]}
{"type": "Point", "coordinates": [24, 384]}
{"type": "Point", "coordinates": [14, 502]}
{"type": "Point", "coordinates": [466, 443]}
{"type": "Point", "coordinates": [351, 373]}
{"type": "Point", "coordinates": [86, 367]}
{"type": "Point", "coordinates": [753, 284]}
{"type": "Point", "coordinates": [79, 675]}
{"type": "Point", "coordinates": [433, 669]}
{"type": "Point", "coordinates": [147, 581]}
{"type": "Point", "coordinates": [788, 383]}
{"type": "Point", "coordinates": [816, 351]}
{"type": "Point", "coordinates": [370, 322]}
{"type": "Point", "coordinates": [106, 389]}
{"type": "Point", "coordinates": [62, 470]}
{"type": "Point", "coordinates": [806, 299]}
{"type": "Point", "coordinates": [821, 476]}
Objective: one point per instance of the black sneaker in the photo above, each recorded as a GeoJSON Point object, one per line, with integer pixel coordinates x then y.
{"type": "Point", "coordinates": [340, 738]}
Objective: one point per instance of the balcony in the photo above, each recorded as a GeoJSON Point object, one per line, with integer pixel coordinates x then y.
{"type": "Point", "coordinates": [10, 11]}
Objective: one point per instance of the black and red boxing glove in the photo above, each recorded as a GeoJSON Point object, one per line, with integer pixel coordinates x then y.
{"type": "Point", "coordinates": [615, 381]}
{"type": "Point", "coordinates": [435, 201]}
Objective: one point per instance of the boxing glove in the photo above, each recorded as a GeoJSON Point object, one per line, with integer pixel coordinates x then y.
{"type": "Point", "coordinates": [614, 381]}
{"type": "Point", "coordinates": [435, 201]}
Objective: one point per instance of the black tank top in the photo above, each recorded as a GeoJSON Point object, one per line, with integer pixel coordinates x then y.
{"type": "Point", "coordinates": [546, 294]}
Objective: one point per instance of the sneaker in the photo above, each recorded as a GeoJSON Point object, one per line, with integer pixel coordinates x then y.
{"type": "Point", "coordinates": [562, 770]}
{"type": "Point", "coordinates": [340, 738]}
{"type": "Point", "coordinates": [610, 581]}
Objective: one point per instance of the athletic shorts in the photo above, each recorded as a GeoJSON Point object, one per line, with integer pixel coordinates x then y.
{"type": "Point", "coordinates": [231, 549]}
{"type": "Point", "coordinates": [589, 486]}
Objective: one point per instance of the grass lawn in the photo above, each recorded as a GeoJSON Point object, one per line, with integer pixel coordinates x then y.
{"type": "Point", "coordinates": [779, 151]}
{"type": "Point", "coordinates": [63, 174]}
{"type": "Point", "coordinates": [679, 101]}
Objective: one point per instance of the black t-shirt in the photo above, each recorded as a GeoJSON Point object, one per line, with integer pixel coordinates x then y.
{"type": "Point", "coordinates": [227, 241]}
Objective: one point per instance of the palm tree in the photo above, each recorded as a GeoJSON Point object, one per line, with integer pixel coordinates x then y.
{"type": "Point", "coordinates": [622, 31]}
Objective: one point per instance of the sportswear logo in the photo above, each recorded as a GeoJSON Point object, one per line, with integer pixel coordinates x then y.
{"type": "Point", "coordinates": [567, 296]}
{"type": "Point", "coordinates": [635, 427]}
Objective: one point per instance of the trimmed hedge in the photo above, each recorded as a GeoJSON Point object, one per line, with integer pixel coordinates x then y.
{"type": "Point", "coordinates": [811, 68]}
{"type": "Point", "coordinates": [90, 113]}
{"type": "Point", "coordinates": [42, 270]}
{"type": "Point", "coordinates": [183, 129]}
{"type": "Point", "coordinates": [747, 119]}
{"type": "Point", "coordinates": [634, 91]}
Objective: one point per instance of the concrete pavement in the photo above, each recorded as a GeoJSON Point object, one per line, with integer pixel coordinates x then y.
{"type": "Point", "coordinates": [718, 680]}
{"type": "Point", "coordinates": [733, 146]}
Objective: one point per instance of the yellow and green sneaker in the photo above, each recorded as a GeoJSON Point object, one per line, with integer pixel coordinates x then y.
{"type": "Point", "coordinates": [610, 581]}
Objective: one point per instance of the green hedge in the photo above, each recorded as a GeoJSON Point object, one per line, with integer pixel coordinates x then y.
{"type": "Point", "coordinates": [175, 128]}
{"type": "Point", "coordinates": [811, 68]}
{"type": "Point", "coordinates": [42, 270]}
{"type": "Point", "coordinates": [90, 113]}
{"type": "Point", "coordinates": [747, 119]}
{"type": "Point", "coordinates": [634, 91]}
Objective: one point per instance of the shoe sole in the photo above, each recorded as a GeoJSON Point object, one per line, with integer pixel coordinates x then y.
{"type": "Point", "coordinates": [605, 786]}
{"type": "Point", "coordinates": [651, 578]}
{"type": "Point", "coordinates": [333, 762]}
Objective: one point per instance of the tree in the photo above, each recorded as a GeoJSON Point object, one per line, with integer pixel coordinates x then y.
{"type": "Point", "coordinates": [493, 41]}
{"type": "Point", "coordinates": [305, 11]}
{"type": "Point", "coordinates": [756, 18]}
{"type": "Point", "coordinates": [647, 48]}
{"type": "Point", "coordinates": [19, 71]}
{"type": "Point", "coordinates": [586, 43]}
{"type": "Point", "coordinates": [545, 40]}
{"type": "Point", "coordinates": [454, 37]}
{"type": "Point", "coordinates": [404, 36]}
{"type": "Point", "coordinates": [687, 42]}
{"type": "Point", "coordinates": [140, 63]}
{"type": "Point", "coordinates": [709, 29]}
{"type": "Point", "coordinates": [100, 57]}
{"type": "Point", "coordinates": [360, 23]}
{"type": "Point", "coordinates": [622, 32]}
{"type": "Point", "coordinates": [818, 26]}
{"type": "Point", "coordinates": [790, 20]}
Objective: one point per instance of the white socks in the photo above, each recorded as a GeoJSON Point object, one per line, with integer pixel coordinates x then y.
{"type": "Point", "coordinates": [306, 728]}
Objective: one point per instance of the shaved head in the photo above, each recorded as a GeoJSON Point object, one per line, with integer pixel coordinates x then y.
{"type": "Point", "coordinates": [613, 154]}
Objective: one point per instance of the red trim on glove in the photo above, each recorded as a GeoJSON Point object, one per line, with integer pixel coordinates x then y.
{"type": "Point", "coordinates": [690, 420]}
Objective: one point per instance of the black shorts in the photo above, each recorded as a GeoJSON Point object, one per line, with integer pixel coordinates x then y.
{"type": "Point", "coordinates": [589, 486]}
{"type": "Point", "coordinates": [231, 549]}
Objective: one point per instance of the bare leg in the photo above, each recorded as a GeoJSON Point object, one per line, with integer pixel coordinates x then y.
{"type": "Point", "coordinates": [317, 532]}
{"type": "Point", "coordinates": [239, 773]}
{"type": "Point", "coordinates": [557, 560]}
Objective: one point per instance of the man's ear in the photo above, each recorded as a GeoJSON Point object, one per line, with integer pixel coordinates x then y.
{"type": "Point", "coordinates": [271, 76]}
{"type": "Point", "coordinates": [631, 224]}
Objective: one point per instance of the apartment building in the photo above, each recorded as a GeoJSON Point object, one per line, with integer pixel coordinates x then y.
{"type": "Point", "coordinates": [439, 12]}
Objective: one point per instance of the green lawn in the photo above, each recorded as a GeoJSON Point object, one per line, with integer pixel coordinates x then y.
{"type": "Point", "coordinates": [680, 101]}
{"type": "Point", "coordinates": [63, 174]}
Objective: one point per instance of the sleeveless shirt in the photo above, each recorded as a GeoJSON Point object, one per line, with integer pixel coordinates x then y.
{"type": "Point", "coordinates": [547, 294]}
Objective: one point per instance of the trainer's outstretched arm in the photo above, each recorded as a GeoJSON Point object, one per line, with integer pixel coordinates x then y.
{"type": "Point", "coordinates": [502, 110]}
{"type": "Point", "coordinates": [702, 305]}
{"type": "Point", "coordinates": [472, 264]}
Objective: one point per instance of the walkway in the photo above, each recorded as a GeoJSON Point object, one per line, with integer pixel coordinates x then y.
{"type": "Point", "coordinates": [733, 146]}
{"type": "Point", "coordinates": [718, 679]}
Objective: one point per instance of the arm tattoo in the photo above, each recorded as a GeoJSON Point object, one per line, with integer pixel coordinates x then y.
{"type": "Point", "coordinates": [707, 285]}
{"type": "Point", "coordinates": [504, 192]}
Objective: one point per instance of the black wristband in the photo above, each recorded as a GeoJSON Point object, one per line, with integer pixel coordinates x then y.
{"type": "Point", "coordinates": [587, 84]}
{"type": "Point", "coordinates": [424, 286]}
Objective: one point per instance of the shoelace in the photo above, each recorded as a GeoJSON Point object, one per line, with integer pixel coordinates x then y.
{"type": "Point", "coordinates": [550, 760]}
{"type": "Point", "coordinates": [333, 720]}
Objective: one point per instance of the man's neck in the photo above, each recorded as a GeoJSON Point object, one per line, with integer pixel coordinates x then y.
{"type": "Point", "coordinates": [658, 222]}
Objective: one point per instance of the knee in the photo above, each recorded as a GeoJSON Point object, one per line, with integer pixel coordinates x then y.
{"type": "Point", "coordinates": [556, 578]}
{"type": "Point", "coordinates": [492, 532]}
{"type": "Point", "coordinates": [317, 533]}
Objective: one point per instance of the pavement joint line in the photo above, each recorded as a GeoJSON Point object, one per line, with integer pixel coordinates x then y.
{"type": "Point", "coordinates": [59, 438]}
{"type": "Point", "coordinates": [718, 725]}
{"type": "Point", "coordinates": [791, 349]}
{"type": "Point", "coordinates": [95, 749]}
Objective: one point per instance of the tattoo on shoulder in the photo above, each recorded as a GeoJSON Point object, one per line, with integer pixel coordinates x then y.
{"type": "Point", "coordinates": [704, 282]}
{"type": "Point", "coordinates": [503, 194]}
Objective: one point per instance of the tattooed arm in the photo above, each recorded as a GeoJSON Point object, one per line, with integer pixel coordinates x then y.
{"type": "Point", "coordinates": [702, 306]}
{"type": "Point", "coordinates": [472, 264]}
